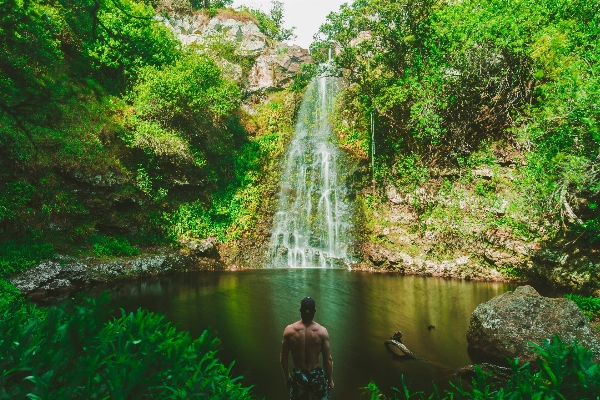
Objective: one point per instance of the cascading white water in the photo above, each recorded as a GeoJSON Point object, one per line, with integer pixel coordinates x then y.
{"type": "Point", "coordinates": [312, 227]}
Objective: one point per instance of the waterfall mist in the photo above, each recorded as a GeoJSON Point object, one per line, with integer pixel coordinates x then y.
{"type": "Point", "coordinates": [312, 227]}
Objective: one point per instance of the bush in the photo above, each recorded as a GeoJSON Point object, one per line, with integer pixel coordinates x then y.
{"type": "Point", "coordinates": [182, 119]}
{"type": "Point", "coordinates": [16, 256]}
{"type": "Point", "coordinates": [589, 305]}
{"type": "Point", "coordinates": [72, 351]}
{"type": "Point", "coordinates": [565, 372]}
{"type": "Point", "coordinates": [271, 24]}
{"type": "Point", "coordinates": [8, 294]}
{"type": "Point", "coordinates": [112, 246]}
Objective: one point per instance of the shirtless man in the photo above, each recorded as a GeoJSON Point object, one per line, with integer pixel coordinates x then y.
{"type": "Point", "coordinates": [306, 339]}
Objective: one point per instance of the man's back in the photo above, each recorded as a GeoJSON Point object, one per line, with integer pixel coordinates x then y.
{"type": "Point", "coordinates": [305, 342]}
{"type": "Point", "coordinates": [306, 339]}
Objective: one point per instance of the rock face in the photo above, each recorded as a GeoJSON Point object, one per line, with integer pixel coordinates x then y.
{"type": "Point", "coordinates": [275, 64]}
{"type": "Point", "coordinates": [457, 239]}
{"type": "Point", "coordinates": [404, 263]}
{"type": "Point", "coordinates": [276, 67]}
{"type": "Point", "coordinates": [503, 326]}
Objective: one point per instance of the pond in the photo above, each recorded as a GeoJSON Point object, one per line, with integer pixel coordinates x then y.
{"type": "Point", "coordinates": [248, 311]}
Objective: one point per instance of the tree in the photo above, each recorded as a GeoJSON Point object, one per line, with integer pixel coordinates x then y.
{"type": "Point", "coordinates": [206, 4]}
{"type": "Point", "coordinates": [271, 24]}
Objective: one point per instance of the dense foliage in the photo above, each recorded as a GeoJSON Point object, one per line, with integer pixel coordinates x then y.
{"type": "Point", "coordinates": [113, 137]}
{"type": "Point", "coordinates": [589, 305]}
{"type": "Point", "coordinates": [446, 81]}
{"type": "Point", "coordinates": [565, 372]}
{"type": "Point", "coordinates": [77, 351]}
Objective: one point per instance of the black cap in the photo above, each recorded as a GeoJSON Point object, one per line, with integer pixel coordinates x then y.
{"type": "Point", "coordinates": [307, 304]}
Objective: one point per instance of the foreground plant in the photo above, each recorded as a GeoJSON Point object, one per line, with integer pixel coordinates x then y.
{"type": "Point", "coordinates": [565, 372]}
{"type": "Point", "coordinates": [70, 351]}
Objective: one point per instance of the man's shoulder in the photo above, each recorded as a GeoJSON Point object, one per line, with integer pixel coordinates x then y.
{"type": "Point", "coordinates": [319, 328]}
{"type": "Point", "coordinates": [291, 328]}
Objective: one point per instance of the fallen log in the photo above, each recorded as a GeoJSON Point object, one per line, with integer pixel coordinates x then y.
{"type": "Point", "coordinates": [395, 346]}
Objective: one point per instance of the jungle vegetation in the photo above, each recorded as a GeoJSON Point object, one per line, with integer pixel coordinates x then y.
{"type": "Point", "coordinates": [115, 139]}
{"type": "Point", "coordinates": [455, 86]}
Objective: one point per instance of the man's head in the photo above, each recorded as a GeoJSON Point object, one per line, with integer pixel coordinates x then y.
{"type": "Point", "coordinates": [307, 309]}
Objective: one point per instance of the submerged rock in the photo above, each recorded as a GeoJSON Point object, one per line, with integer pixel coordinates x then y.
{"type": "Point", "coordinates": [504, 326]}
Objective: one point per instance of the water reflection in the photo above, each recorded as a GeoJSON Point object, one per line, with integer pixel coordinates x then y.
{"type": "Point", "coordinates": [248, 310]}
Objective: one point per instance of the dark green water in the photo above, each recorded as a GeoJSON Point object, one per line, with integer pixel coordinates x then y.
{"type": "Point", "coordinates": [248, 310]}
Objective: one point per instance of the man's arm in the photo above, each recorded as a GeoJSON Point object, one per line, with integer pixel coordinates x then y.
{"type": "Point", "coordinates": [327, 359]}
{"type": "Point", "coordinates": [283, 358]}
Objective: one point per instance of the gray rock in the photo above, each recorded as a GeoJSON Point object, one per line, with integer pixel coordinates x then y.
{"type": "Point", "coordinates": [204, 247]}
{"type": "Point", "coordinates": [52, 277]}
{"type": "Point", "coordinates": [485, 173]}
{"type": "Point", "coordinates": [275, 67]}
{"type": "Point", "coordinates": [275, 64]}
{"type": "Point", "coordinates": [504, 326]}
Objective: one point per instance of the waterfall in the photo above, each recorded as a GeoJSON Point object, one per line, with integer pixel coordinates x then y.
{"type": "Point", "coordinates": [313, 223]}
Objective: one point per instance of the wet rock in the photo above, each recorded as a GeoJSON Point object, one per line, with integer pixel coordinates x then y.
{"type": "Point", "coordinates": [51, 277]}
{"type": "Point", "coordinates": [503, 326]}
{"type": "Point", "coordinates": [503, 259]}
{"type": "Point", "coordinates": [497, 372]}
{"type": "Point", "coordinates": [462, 267]}
{"type": "Point", "coordinates": [378, 258]}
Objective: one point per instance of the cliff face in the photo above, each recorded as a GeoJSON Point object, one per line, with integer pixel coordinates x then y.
{"type": "Point", "coordinates": [447, 228]}
{"type": "Point", "coordinates": [258, 63]}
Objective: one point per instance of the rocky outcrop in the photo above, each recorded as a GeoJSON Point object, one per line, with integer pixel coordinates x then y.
{"type": "Point", "coordinates": [200, 30]}
{"type": "Point", "coordinates": [202, 247]}
{"type": "Point", "coordinates": [65, 274]}
{"type": "Point", "coordinates": [274, 63]}
{"type": "Point", "coordinates": [276, 67]}
{"type": "Point", "coordinates": [400, 261]}
{"type": "Point", "coordinates": [457, 238]}
{"type": "Point", "coordinates": [504, 326]}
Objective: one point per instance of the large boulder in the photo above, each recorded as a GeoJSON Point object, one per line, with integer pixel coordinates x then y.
{"type": "Point", "coordinates": [504, 326]}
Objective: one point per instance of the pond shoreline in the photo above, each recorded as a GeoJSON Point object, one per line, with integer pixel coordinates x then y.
{"type": "Point", "coordinates": [53, 280]}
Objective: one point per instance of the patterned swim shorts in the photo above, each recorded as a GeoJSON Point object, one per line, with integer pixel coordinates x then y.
{"type": "Point", "coordinates": [305, 383]}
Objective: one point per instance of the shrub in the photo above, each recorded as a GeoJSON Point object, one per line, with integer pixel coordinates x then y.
{"type": "Point", "coordinates": [15, 255]}
{"type": "Point", "coordinates": [8, 294]}
{"type": "Point", "coordinates": [565, 372]}
{"type": "Point", "coordinates": [112, 246]}
{"type": "Point", "coordinates": [589, 305]}
{"type": "Point", "coordinates": [271, 24]}
{"type": "Point", "coordinates": [72, 351]}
